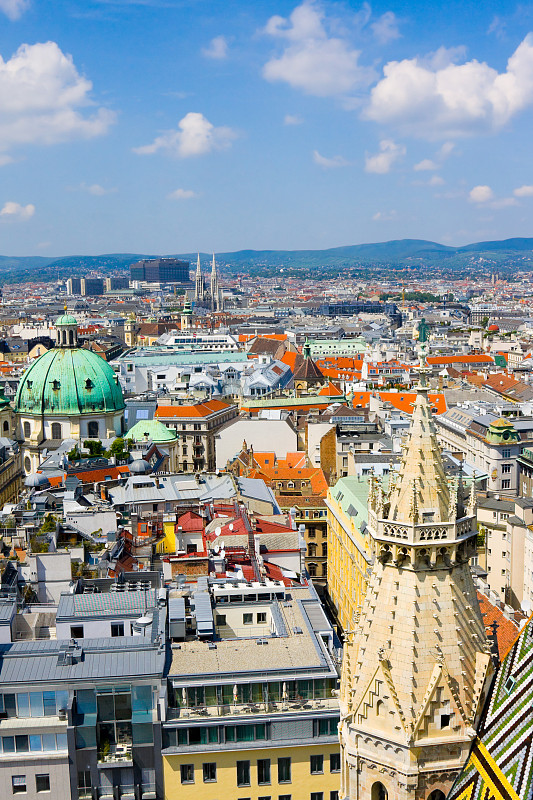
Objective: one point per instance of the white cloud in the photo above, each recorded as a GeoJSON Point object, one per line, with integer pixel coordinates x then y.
{"type": "Point", "coordinates": [292, 119]}
{"type": "Point", "coordinates": [523, 191]}
{"type": "Point", "coordinates": [438, 98]}
{"type": "Point", "coordinates": [14, 212]}
{"type": "Point", "coordinates": [195, 136]}
{"type": "Point", "coordinates": [329, 163]}
{"type": "Point", "coordinates": [385, 29]}
{"type": "Point", "coordinates": [5, 159]}
{"type": "Point", "coordinates": [96, 190]}
{"type": "Point", "coordinates": [481, 194]}
{"type": "Point", "coordinates": [40, 94]}
{"type": "Point", "coordinates": [217, 49]}
{"type": "Point", "coordinates": [382, 162]}
{"type": "Point", "coordinates": [436, 180]}
{"type": "Point", "coordinates": [315, 59]}
{"type": "Point", "coordinates": [504, 202]}
{"type": "Point", "coordinates": [13, 9]}
{"type": "Point", "coordinates": [384, 216]}
{"type": "Point", "coordinates": [426, 165]}
{"type": "Point", "coordinates": [182, 194]}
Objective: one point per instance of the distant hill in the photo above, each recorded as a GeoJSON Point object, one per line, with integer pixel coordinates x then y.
{"type": "Point", "coordinates": [507, 253]}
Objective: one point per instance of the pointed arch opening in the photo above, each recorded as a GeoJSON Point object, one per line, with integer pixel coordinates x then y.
{"type": "Point", "coordinates": [437, 794]}
{"type": "Point", "coordinates": [379, 792]}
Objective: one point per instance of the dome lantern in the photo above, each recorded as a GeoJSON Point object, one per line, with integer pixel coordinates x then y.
{"type": "Point", "coordinates": [66, 330]}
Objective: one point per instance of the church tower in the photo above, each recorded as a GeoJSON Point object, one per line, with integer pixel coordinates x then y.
{"type": "Point", "coordinates": [199, 289]}
{"type": "Point", "coordinates": [417, 668]}
{"type": "Point", "coordinates": [215, 294]}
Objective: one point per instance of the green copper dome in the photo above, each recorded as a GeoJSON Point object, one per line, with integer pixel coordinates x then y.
{"type": "Point", "coordinates": [69, 381]}
{"type": "Point", "coordinates": [66, 319]}
{"type": "Point", "coordinates": [157, 432]}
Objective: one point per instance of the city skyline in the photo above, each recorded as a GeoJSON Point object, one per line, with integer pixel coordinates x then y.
{"type": "Point", "coordinates": [161, 126]}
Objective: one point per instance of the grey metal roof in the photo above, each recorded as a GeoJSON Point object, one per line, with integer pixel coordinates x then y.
{"type": "Point", "coordinates": [204, 613]}
{"type": "Point", "coordinates": [106, 604]}
{"type": "Point", "coordinates": [102, 660]}
{"type": "Point", "coordinates": [6, 612]}
{"type": "Point", "coordinates": [317, 618]}
{"type": "Point", "coordinates": [176, 609]}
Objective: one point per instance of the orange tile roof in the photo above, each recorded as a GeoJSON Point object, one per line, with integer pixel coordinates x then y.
{"type": "Point", "coordinates": [198, 410]}
{"type": "Point", "coordinates": [506, 631]}
{"type": "Point", "coordinates": [93, 475]}
{"type": "Point", "coordinates": [460, 359]}
{"type": "Point", "coordinates": [314, 475]}
{"type": "Point", "coordinates": [404, 401]}
{"type": "Point", "coordinates": [289, 358]}
{"type": "Point", "coordinates": [330, 390]}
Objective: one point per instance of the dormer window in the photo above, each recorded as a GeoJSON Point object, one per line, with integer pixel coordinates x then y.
{"type": "Point", "coordinates": [89, 384]}
{"type": "Point", "coordinates": [56, 385]}
{"type": "Point", "coordinates": [29, 384]}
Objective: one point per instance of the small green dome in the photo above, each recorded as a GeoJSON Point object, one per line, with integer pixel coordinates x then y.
{"type": "Point", "coordinates": [69, 381]}
{"type": "Point", "coordinates": [66, 319]}
{"type": "Point", "coordinates": [157, 432]}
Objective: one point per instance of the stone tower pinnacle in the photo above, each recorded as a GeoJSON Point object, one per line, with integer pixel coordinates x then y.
{"type": "Point", "coordinates": [199, 289]}
{"type": "Point", "coordinates": [417, 667]}
{"type": "Point", "coordinates": [215, 297]}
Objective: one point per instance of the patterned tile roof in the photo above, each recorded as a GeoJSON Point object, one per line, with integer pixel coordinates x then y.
{"type": "Point", "coordinates": [500, 766]}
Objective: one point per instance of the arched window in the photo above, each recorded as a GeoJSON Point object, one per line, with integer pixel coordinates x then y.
{"type": "Point", "coordinates": [379, 792]}
{"type": "Point", "coordinates": [436, 794]}
{"type": "Point", "coordinates": [324, 548]}
{"type": "Point", "coordinates": [56, 430]}
{"type": "Point", "coordinates": [27, 464]}
{"type": "Point", "coordinates": [379, 708]}
{"type": "Point", "coordinates": [6, 426]}
{"type": "Point", "coordinates": [324, 569]}
{"type": "Point", "coordinates": [92, 429]}
{"type": "Point", "coordinates": [64, 337]}
{"type": "Point", "coordinates": [312, 549]}
{"type": "Point", "coordinates": [71, 337]}
{"type": "Point", "coordinates": [27, 430]}
{"type": "Point", "coordinates": [312, 568]}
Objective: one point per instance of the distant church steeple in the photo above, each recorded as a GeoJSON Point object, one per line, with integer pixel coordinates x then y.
{"type": "Point", "coordinates": [199, 289]}
{"type": "Point", "coordinates": [417, 667]}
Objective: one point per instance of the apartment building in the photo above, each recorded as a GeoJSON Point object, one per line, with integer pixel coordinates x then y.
{"type": "Point", "coordinates": [349, 562]}
{"type": "Point", "coordinates": [196, 426]}
{"type": "Point", "coordinates": [252, 710]}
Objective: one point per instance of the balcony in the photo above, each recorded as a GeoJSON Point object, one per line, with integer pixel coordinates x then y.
{"type": "Point", "coordinates": [116, 755]}
{"type": "Point", "coordinates": [289, 706]}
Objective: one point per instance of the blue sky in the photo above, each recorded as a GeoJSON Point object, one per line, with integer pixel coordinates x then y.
{"type": "Point", "coordinates": [164, 126]}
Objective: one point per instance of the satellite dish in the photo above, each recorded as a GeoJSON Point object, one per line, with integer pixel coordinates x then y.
{"type": "Point", "coordinates": [222, 554]}
{"type": "Point", "coordinates": [218, 530]}
{"type": "Point", "coordinates": [231, 526]}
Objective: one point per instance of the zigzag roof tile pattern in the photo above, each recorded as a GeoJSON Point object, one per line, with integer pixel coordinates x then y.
{"type": "Point", "coordinates": [500, 766]}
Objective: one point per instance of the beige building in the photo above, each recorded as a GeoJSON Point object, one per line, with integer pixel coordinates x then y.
{"type": "Point", "coordinates": [196, 426]}
{"type": "Point", "coordinates": [417, 667]}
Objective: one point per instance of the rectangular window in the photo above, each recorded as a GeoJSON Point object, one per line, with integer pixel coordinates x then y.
{"type": "Point", "coordinates": [263, 770]}
{"type": "Point", "coordinates": [284, 797]}
{"type": "Point", "coordinates": [221, 619]}
{"type": "Point", "coordinates": [317, 765]}
{"type": "Point", "coordinates": [18, 782]}
{"type": "Point", "coordinates": [506, 484]}
{"type": "Point", "coordinates": [247, 619]}
{"type": "Point", "coordinates": [76, 631]}
{"type": "Point", "coordinates": [42, 783]}
{"type": "Point", "coordinates": [506, 452]}
{"type": "Point", "coordinates": [335, 762]}
{"type": "Point", "coordinates": [317, 795]}
{"type": "Point", "coordinates": [117, 629]}
{"type": "Point", "coordinates": [334, 795]}
{"type": "Point", "coordinates": [243, 773]}
{"type": "Point", "coordinates": [284, 770]}
{"type": "Point", "coordinates": [210, 772]}
{"type": "Point", "coordinates": [261, 618]}
{"type": "Point", "coordinates": [506, 469]}
{"type": "Point", "coordinates": [187, 773]}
